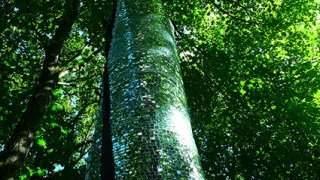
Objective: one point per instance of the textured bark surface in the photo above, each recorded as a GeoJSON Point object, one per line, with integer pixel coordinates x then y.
{"type": "Point", "coordinates": [17, 147]}
{"type": "Point", "coordinates": [151, 131]}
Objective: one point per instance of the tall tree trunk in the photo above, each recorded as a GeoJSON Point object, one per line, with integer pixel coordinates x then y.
{"type": "Point", "coordinates": [17, 147]}
{"type": "Point", "coordinates": [151, 131]}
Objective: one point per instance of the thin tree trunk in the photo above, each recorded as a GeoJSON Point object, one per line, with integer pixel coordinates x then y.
{"type": "Point", "coordinates": [151, 131]}
{"type": "Point", "coordinates": [101, 162]}
{"type": "Point", "coordinates": [17, 147]}
{"type": "Point", "coordinates": [107, 160]}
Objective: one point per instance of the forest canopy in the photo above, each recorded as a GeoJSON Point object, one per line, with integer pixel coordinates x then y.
{"type": "Point", "coordinates": [250, 70]}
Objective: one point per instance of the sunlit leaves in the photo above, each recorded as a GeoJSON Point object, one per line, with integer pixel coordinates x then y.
{"type": "Point", "coordinates": [54, 107]}
{"type": "Point", "coordinates": [42, 143]}
{"type": "Point", "coordinates": [316, 98]}
{"type": "Point", "coordinates": [54, 124]}
{"type": "Point", "coordinates": [41, 172]}
{"type": "Point", "coordinates": [256, 86]}
{"type": "Point", "coordinates": [58, 92]}
{"type": "Point", "coordinates": [242, 91]}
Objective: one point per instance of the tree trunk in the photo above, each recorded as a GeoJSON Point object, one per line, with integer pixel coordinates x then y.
{"type": "Point", "coordinates": [17, 147]}
{"type": "Point", "coordinates": [101, 162]}
{"type": "Point", "coordinates": [151, 131]}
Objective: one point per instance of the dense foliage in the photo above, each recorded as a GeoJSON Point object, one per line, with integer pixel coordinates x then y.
{"type": "Point", "coordinates": [250, 69]}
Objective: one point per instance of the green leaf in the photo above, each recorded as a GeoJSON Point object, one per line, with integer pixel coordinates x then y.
{"type": "Point", "coordinates": [40, 172]}
{"type": "Point", "coordinates": [54, 124]}
{"type": "Point", "coordinates": [54, 107]}
{"type": "Point", "coordinates": [79, 60]}
{"type": "Point", "coordinates": [31, 171]}
{"type": "Point", "coordinates": [316, 98]}
{"type": "Point", "coordinates": [23, 177]}
{"type": "Point", "coordinates": [242, 83]}
{"type": "Point", "coordinates": [6, 63]}
{"type": "Point", "coordinates": [252, 81]}
{"type": "Point", "coordinates": [58, 92]}
{"type": "Point", "coordinates": [250, 86]}
{"type": "Point", "coordinates": [63, 131]}
{"type": "Point", "coordinates": [42, 143]}
{"type": "Point", "coordinates": [243, 92]}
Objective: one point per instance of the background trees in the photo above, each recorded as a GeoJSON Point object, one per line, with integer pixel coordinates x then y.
{"type": "Point", "coordinates": [250, 69]}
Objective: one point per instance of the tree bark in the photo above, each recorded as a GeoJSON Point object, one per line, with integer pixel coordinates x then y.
{"type": "Point", "coordinates": [151, 131]}
{"type": "Point", "coordinates": [17, 147]}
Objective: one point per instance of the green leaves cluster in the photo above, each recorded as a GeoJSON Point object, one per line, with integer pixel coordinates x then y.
{"type": "Point", "coordinates": [251, 73]}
